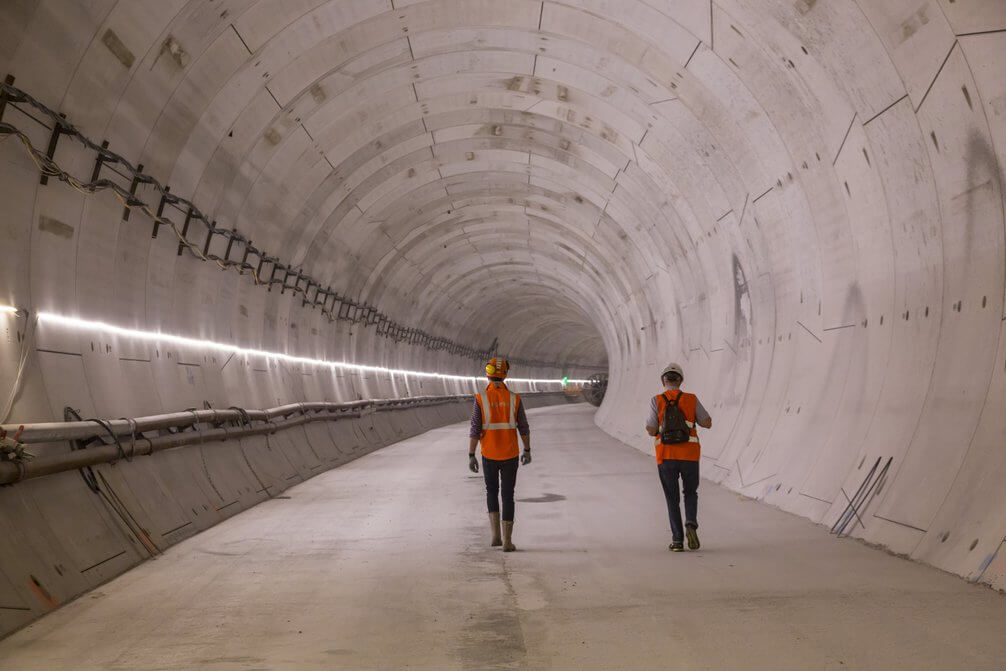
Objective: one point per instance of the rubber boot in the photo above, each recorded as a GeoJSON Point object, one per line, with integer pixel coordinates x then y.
{"type": "Point", "coordinates": [494, 528]}
{"type": "Point", "coordinates": [508, 545]}
{"type": "Point", "coordinates": [693, 536]}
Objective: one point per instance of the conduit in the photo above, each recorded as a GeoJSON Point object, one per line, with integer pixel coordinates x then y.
{"type": "Point", "coordinates": [180, 429]}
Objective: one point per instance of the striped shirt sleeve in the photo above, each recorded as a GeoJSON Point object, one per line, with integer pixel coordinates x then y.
{"type": "Point", "coordinates": [522, 426]}
{"type": "Point", "coordinates": [475, 430]}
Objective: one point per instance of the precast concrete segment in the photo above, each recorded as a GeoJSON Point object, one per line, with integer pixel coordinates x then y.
{"type": "Point", "coordinates": [802, 202]}
{"type": "Point", "coordinates": [385, 563]}
{"type": "Point", "coordinates": [69, 532]}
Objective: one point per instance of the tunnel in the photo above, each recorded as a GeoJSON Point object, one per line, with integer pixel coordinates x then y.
{"type": "Point", "coordinates": [258, 252]}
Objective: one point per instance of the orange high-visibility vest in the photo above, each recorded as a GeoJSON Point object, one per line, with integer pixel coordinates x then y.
{"type": "Point", "coordinates": [690, 451]}
{"type": "Point", "coordinates": [499, 422]}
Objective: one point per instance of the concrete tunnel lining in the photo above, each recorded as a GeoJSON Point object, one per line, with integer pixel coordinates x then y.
{"type": "Point", "coordinates": [317, 578]}
{"type": "Point", "coordinates": [802, 202]}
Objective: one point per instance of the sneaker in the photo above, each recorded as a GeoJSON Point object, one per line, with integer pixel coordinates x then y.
{"type": "Point", "coordinates": [691, 531]}
{"type": "Point", "coordinates": [676, 547]}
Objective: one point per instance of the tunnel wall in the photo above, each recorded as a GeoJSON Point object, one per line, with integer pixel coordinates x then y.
{"type": "Point", "coordinates": [64, 537]}
{"type": "Point", "coordinates": [800, 201]}
{"type": "Point", "coordinates": [851, 316]}
{"type": "Point", "coordinates": [76, 254]}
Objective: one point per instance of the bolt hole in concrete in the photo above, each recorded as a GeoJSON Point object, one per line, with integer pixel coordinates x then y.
{"type": "Point", "coordinates": [41, 593]}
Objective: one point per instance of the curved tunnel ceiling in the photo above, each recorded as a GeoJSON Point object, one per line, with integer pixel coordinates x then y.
{"type": "Point", "coordinates": [800, 200]}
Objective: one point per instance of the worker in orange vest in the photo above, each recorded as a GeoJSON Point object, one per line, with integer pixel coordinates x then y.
{"type": "Point", "coordinates": [497, 417]}
{"type": "Point", "coordinates": [673, 417]}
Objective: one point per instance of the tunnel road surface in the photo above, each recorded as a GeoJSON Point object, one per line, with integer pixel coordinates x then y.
{"type": "Point", "coordinates": [384, 563]}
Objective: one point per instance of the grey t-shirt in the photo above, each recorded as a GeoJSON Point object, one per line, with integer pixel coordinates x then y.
{"type": "Point", "coordinates": [653, 420]}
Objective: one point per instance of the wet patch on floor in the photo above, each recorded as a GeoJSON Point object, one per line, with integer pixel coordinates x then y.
{"type": "Point", "coordinates": [545, 514]}
{"type": "Point", "coordinates": [492, 640]}
{"type": "Point", "coordinates": [230, 660]}
{"type": "Point", "coordinates": [491, 635]}
{"type": "Point", "coordinates": [218, 553]}
{"type": "Point", "coordinates": [544, 498]}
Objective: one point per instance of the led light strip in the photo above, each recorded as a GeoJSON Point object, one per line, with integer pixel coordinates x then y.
{"type": "Point", "coordinates": [88, 325]}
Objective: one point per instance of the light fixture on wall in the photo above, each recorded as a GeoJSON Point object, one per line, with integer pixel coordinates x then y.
{"type": "Point", "coordinates": [151, 336]}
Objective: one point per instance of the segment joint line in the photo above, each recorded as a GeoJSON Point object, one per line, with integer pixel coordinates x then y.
{"type": "Point", "coordinates": [744, 209]}
{"type": "Point", "coordinates": [842, 146]}
{"type": "Point", "coordinates": [234, 28]}
{"type": "Point", "coordinates": [812, 334]}
{"type": "Point", "coordinates": [938, 72]}
{"type": "Point", "coordinates": [694, 51]}
{"type": "Point", "coordinates": [762, 194]}
{"type": "Point", "coordinates": [982, 32]}
{"type": "Point", "coordinates": [273, 96]}
{"type": "Point", "coordinates": [885, 109]}
{"type": "Point", "coordinates": [711, 40]}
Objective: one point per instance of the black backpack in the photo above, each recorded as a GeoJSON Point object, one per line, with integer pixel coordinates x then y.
{"type": "Point", "coordinates": [674, 429]}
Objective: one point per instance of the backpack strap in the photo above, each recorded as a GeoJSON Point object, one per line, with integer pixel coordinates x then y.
{"type": "Point", "coordinates": [691, 425]}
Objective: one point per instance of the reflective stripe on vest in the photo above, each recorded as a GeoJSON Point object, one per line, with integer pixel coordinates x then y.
{"type": "Point", "coordinates": [499, 438]}
{"type": "Point", "coordinates": [486, 411]}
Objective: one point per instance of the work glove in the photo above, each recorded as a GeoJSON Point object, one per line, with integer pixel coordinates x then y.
{"type": "Point", "coordinates": [473, 463]}
{"type": "Point", "coordinates": [525, 458]}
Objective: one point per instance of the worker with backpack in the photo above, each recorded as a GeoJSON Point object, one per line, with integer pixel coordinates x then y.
{"type": "Point", "coordinates": [673, 417]}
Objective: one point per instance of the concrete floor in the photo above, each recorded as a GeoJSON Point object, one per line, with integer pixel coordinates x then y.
{"type": "Point", "coordinates": [384, 564]}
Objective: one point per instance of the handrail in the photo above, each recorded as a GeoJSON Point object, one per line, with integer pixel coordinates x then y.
{"type": "Point", "coordinates": [224, 424]}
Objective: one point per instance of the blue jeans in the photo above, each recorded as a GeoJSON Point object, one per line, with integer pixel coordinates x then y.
{"type": "Point", "coordinates": [669, 472]}
{"type": "Point", "coordinates": [496, 473]}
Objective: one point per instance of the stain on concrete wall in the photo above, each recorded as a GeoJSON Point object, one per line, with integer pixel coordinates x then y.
{"type": "Point", "coordinates": [173, 49]}
{"type": "Point", "coordinates": [55, 226]}
{"type": "Point", "coordinates": [118, 49]}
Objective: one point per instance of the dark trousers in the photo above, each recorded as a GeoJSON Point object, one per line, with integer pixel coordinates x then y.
{"type": "Point", "coordinates": [497, 473]}
{"type": "Point", "coordinates": [669, 472]}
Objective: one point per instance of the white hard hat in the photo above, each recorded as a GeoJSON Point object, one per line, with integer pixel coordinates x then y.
{"type": "Point", "coordinates": [672, 368]}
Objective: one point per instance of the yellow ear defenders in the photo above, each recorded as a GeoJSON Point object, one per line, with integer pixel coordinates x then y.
{"type": "Point", "coordinates": [497, 367]}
